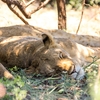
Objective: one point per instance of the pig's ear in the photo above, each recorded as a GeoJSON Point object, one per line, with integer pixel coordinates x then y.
{"type": "Point", "coordinates": [48, 40]}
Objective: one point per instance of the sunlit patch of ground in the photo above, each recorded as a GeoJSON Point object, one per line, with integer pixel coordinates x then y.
{"type": "Point", "coordinates": [47, 18]}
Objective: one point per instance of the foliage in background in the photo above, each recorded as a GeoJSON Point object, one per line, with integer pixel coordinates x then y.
{"type": "Point", "coordinates": [77, 4]}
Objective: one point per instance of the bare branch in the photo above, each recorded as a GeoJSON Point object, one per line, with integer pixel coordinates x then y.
{"type": "Point", "coordinates": [42, 5]}
{"type": "Point", "coordinates": [20, 6]}
{"type": "Point", "coordinates": [83, 3]}
{"type": "Point", "coordinates": [18, 15]}
{"type": "Point", "coordinates": [30, 2]}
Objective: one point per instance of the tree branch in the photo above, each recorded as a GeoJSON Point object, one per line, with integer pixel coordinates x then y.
{"type": "Point", "coordinates": [42, 5]}
{"type": "Point", "coordinates": [18, 15]}
{"type": "Point", "coordinates": [20, 6]}
{"type": "Point", "coordinates": [83, 3]}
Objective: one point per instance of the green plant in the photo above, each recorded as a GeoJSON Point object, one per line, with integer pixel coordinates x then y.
{"type": "Point", "coordinates": [50, 88]}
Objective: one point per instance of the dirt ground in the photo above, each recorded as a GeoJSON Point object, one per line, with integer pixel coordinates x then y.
{"type": "Point", "coordinates": [47, 18]}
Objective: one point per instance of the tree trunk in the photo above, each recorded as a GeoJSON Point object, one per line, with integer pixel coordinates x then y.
{"type": "Point", "coordinates": [61, 14]}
